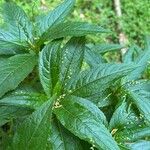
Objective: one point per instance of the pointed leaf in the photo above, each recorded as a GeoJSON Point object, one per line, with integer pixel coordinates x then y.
{"type": "Point", "coordinates": [17, 20]}
{"type": "Point", "coordinates": [33, 132]}
{"type": "Point", "coordinates": [103, 48]}
{"type": "Point", "coordinates": [131, 54]}
{"type": "Point", "coordinates": [139, 94]}
{"type": "Point", "coordinates": [84, 123]}
{"type": "Point", "coordinates": [142, 60]}
{"type": "Point", "coordinates": [73, 29]}
{"type": "Point", "coordinates": [98, 79]}
{"type": "Point", "coordinates": [140, 133]}
{"type": "Point", "coordinates": [121, 117]}
{"type": "Point", "coordinates": [133, 134]}
{"type": "Point", "coordinates": [9, 44]}
{"type": "Point", "coordinates": [140, 145]}
{"type": "Point", "coordinates": [103, 99]}
{"type": "Point", "coordinates": [62, 139]}
{"type": "Point", "coordinates": [141, 99]}
{"type": "Point", "coordinates": [23, 99]}
{"type": "Point", "coordinates": [49, 66]}
{"type": "Point", "coordinates": [93, 58]}
{"type": "Point", "coordinates": [55, 17]}
{"type": "Point", "coordinates": [92, 108]}
{"type": "Point", "coordinates": [14, 70]}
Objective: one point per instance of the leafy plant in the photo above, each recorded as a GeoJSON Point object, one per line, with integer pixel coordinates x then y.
{"type": "Point", "coordinates": [57, 92]}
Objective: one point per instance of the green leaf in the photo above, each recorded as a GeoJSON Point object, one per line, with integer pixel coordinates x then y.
{"type": "Point", "coordinates": [23, 99]}
{"type": "Point", "coordinates": [132, 134]}
{"type": "Point", "coordinates": [62, 139]}
{"type": "Point", "coordinates": [10, 112]}
{"type": "Point", "coordinates": [139, 94]}
{"type": "Point", "coordinates": [33, 132]}
{"type": "Point", "coordinates": [73, 29]}
{"type": "Point", "coordinates": [142, 59]}
{"type": "Point", "coordinates": [84, 123]}
{"type": "Point", "coordinates": [140, 133]}
{"type": "Point", "coordinates": [93, 58]}
{"type": "Point", "coordinates": [72, 58]}
{"type": "Point", "coordinates": [98, 79]}
{"type": "Point", "coordinates": [14, 70]}
{"type": "Point", "coordinates": [10, 44]}
{"type": "Point", "coordinates": [142, 84]}
{"type": "Point", "coordinates": [54, 17]}
{"type": "Point", "coordinates": [17, 21]}
{"type": "Point", "coordinates": [121, 117]}
{"type": "Point", "coordinates": [103, 48]}
{"type": "Point", "coordinates": [49, 66]}
{"type": "Point", "coordinates": [103, 99]}
{"type": "Point", "coordinates": [128, 56]}
{"type": "Point", "coordinates": [19, 103]}
{"type": "Point", "coordinates": [91, 108]}
{"type": "Point", "coordinates": [139, 145]}
{"type": "Point", "coordinates": [141, 100]}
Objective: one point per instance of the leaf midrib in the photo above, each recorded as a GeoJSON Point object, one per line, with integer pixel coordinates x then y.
{"type": "Point", "coordinates": [37, 127]}
{"type": "Point", "coordinates": [100, 78]}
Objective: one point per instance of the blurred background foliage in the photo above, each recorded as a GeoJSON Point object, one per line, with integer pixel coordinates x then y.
{"type": "Point", "coordinates": [135, 16]}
